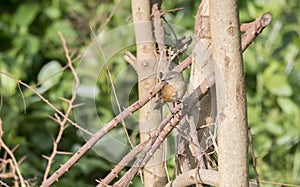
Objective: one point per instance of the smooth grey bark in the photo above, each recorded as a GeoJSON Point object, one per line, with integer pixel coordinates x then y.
{"type": "Point", "coordinates": [230, 91]}
{"type": "Point", "coordinates": [146, 67]}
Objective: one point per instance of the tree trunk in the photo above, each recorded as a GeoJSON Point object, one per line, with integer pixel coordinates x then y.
{"type": "Point", "coordinates": [230, 90]}
{"type": "Point", "coordinates": [146, 67]}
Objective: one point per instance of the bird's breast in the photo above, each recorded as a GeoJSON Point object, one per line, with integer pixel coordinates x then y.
{"type": "Point", "coordinates": [168, 93]}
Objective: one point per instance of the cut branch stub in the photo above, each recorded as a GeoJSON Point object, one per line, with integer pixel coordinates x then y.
{"type": "Point", "coordinates": [254, 28]}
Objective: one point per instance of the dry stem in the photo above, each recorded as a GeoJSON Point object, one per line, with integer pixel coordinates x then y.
{"type": "Point", "coordinates": [245, 42]}
{"type": "Point", "coordinates": [126, 112]}
{"type": "Point", "coordinates": [164, 129]}
{"type": "Point", "coordinates": [15, 170]}
{"type": "Point", "coordinates": [62, 123]}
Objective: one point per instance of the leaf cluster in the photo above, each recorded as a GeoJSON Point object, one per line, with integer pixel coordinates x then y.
{"type": "Point", "coordinates": [31, 51]}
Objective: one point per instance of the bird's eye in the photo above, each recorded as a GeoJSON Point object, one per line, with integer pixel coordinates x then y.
{"type": "Point", "coordinates": [170, 77]}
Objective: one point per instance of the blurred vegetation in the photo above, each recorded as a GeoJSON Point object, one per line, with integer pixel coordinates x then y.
{"type": "Point", "coordinates": [30, 50]}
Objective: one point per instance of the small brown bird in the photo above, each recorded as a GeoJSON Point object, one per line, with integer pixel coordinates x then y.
{"type": "Point", "coordinates": [173, 90]}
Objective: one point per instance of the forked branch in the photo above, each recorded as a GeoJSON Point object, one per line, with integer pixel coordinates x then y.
{"type": "Point", "coordinates": [114, 122]}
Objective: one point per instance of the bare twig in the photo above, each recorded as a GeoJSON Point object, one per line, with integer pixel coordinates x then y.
{"type": "Point", "coordinates": [172, 10]}
{"type": "Point", "coordinates": [130, 58]}
{"type": "Point", "coordinates": [151, 147]}
{"type": "Point", "coordinates": [6, 163]}
{"type": "Point", "coordinates": [14, 160]}
{"type": "Point", "coordinates": [3, 183]}
{"type": "Point", "coordinates": [107, 127]}
{"type": "Point", "coordinates": [50, 159]}
{"type": "Point", "coordinates": [213, 138]}
{"type": "Point", "coordinates": [275, 183]}
{"type": "Point", "coordinates": [115, 95]}
{"type": "Point", "coordinates": [164, 129]}
{"type": "Point", "coordinates": [123, 163]}
{"type": "Point", "coordinates": [111, 14]}
{"type": "Point", "coordinates": [62, 123]}
{"type": "Point", "coordinates": [47, 102]}
{"type": "Point", "coordinates": [183, 164]}
{"type": "Point", "coordinates": [194, 143]}
{"type": "Point", "coordinates": [23, 98]}
{"type": "Point", "coordinates": [253, 156]}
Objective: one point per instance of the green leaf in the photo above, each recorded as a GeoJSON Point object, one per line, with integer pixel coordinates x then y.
{"type": "Point", "coordinates": [288, 106]}
{"type": "Point", "coordinates": [278, 85]}
{"type": "Point", "coordinates": [286, 139]}
{"type": "Point", "coordinates": [32, 45]}
{"type": "Point", "coordinates": [273, 128]}
{"type": "Point", "coordinates": [8, 85]}
{"type": "Point", "coordinates": [52, 12]}
{"type": "Point", "coordinates": [49, 75]}
{"type": "Point", "coordinates": [25, 14]}
{"type": "Point", "coordinates": [251, 9]}
{"type": "Point", "coordinates": [67, 31]}
{"type": "Point", "coordinates": [251, 65]}
{"type": "Point", "coordinates": [296, 164]}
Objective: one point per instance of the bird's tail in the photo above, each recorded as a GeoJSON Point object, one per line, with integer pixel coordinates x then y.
{"type": "Point", "coordinates": [158, 104]}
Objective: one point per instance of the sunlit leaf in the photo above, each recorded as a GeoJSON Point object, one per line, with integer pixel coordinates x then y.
{"type": "Point", "coordinates": [8, 85]}
{"type": "Point", "coordinates": [49, 75]}
{"type": "Point", "coordinates": [274, 128]}
{"type": "Point", "coordinates": [32, 45]}
{"type": "Point", "coordinates": [278, 85]}
{"type": "Point", "coordinates": [52, 12]}
{"type": "Point", "coordinates": [288, 106]}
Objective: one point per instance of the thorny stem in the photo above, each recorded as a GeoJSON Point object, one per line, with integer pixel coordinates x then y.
{"type": "Point", "coordinates": [135, 106]}
{"type": "Point", "coordinates": [68, 111]}
{"type": "Point", "coordinates": [165, 128]}
{"type": "Point", "coordinates": [15, 163]}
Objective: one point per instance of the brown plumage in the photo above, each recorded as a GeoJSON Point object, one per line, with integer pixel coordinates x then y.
{"type": "Point", "coordinates": [173, 90]}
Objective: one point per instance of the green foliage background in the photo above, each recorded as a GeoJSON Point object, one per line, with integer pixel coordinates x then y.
{"type": "Point", "coordinates": [30, 50]}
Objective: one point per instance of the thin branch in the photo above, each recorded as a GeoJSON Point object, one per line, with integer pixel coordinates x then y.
{"type": "Point", "coordinates": [116, 97]}
{"type": "Point", "coordinates": [151, 147]}
{"type": "Point", "coordinates": [203, 176]}
{"type": "Point", "coordinates": [172, 10]}
{"type": "Point", "coordinates": [111, 14]}
{"type": "Point", "coordinates": [70, 64]}
{"type": "Point", "coordinates": [253, 156]}
{"type": "Point", "coordinates": [50, 76]}
{"type": "Point", "coordinates": [131, 59]}
{"type": "Point", "coordinates": [109, 126]}
{"type": "Point", "coordinates": [10, 153]}
{"type": "Point", "coordinates": [3, 183]}
{"type": "Point", "coordinates": [70, 102]}
{"type": "Point", "coordinates": [47, 102]}
{"type": "Point", "coordinates": [164, 129]}
{"type": "Point", "coordinates": [213, 138]}
{"type": "Point", "coordinates": [275, 183]}
{"type": "Point", "coordinates": [54, 149]}
{"type": "Point", "coordinates": [23, 98]}
{"type": "Point", "coordinates": [194, 142]}
{"type": "Point", "coordinates": [122, 164]}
